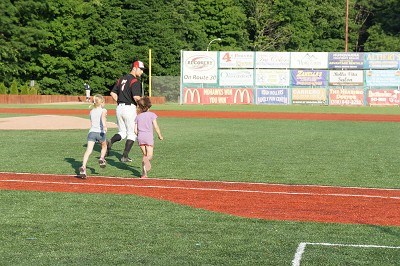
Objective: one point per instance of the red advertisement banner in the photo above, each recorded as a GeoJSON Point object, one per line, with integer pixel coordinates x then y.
{"type": "Point", "coordinates": [352, 97]}
{"type": "Point", "coordinates": [217, 96]}
{"type": "Point", "coordinates": [383, 97]}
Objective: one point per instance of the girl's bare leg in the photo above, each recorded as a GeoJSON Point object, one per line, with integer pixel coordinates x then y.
{"type": "Point", "coordinates": [103, 149]}
{"type": "Point", "coordinates": [88, 151]}
{"type": "Point", "coordinates": [144, 170]}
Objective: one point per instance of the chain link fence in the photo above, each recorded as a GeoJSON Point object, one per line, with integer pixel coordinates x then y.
{"type": "Point", "coordinates": [166, 86]}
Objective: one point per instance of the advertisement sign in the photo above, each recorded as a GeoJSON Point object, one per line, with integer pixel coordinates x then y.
{"type": "Point", "coordinates": [272, 96]}
{"type": "Point", "coordinates": [382, 60]}
{"type": "Point", "coordinates": [346, 77]}
{"type": "Point", "coordinates": [346, 61]}
{"type": "Point", "coordinates": [309, 77]}
{"type": "Point", "coordinates": [269, 77]}
{"type": "Point", "coordinates": [384, 78]}
{"type": "Point", "coordinates": [382, 97]}
{"type": "Point", "coordinates": [309, 95]}
{"type": "Point", "coordinates": [273, 60]}
{"type": "Point", "coordinates": [309, 60]}
{"type": "Point", "coordinates": [236, 59]}
{"type": "Point", "coordinates": [192, 96]}
{"type": "Point", "coordinates": [217, 96]}
{"type": "Point", "coordinates": [199, 67]}
{"type": "Point", "coordinates": [236, 77]}
{"type": "Point", "coordinates": [351, 97]}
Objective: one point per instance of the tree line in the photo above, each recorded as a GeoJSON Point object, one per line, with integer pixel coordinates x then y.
{"type": "Point", "coordinates": [63, 43]}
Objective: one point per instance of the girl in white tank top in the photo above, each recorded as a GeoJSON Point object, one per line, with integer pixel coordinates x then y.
{"type": "Point", "coordinates": [97, 133]}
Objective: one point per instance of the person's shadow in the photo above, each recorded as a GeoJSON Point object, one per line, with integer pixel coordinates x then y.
{"type": "Point", "coordinates": [110, 162]}
{"type": "Point", "coordinates": [76, 164]}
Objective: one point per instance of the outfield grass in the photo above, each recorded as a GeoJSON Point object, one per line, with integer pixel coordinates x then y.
{"type": "Point", "coordinates": [234, 108]}
{"type": "Point", "coordinates": [338, 153]}
{"type": "Point", "coordinates": [89, 229]}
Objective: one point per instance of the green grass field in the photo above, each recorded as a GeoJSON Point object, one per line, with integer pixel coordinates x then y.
{"type": "Point", "coordinates": [233, 108]}
{"type": "Point", "coordinates": [89, 229]}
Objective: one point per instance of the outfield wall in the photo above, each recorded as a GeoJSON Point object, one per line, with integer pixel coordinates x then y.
{"type": "Point", "coordinates": [324, 78]}
{"type": "Point", "coordinates": [43, 99]}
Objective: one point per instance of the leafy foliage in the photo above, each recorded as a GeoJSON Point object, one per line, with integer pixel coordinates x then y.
{"type": "Point", "coordinates": [62, 44]}
{"type": "Point", "coordinates": [3, 88]}
{"type": "Point", "coordinates": [14, 88]}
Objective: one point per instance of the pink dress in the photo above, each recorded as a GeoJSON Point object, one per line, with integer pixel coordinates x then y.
{"type": "Point", "coordinates": [144, 122]}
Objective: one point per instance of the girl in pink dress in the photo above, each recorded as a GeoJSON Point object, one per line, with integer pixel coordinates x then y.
{"type": "Point", "coordinates": [144, 123]}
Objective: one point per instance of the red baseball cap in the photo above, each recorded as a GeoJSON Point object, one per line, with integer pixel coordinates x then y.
{"type": "Point", "coordinates": [138, 64]}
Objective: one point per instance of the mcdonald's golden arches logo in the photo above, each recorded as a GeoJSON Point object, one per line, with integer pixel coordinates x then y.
{"type": "Point", "coordinates": [194, 96]}
{"type": "Point", "coordinates": [241, 93]}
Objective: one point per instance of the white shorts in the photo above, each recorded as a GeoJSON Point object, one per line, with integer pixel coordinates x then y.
{"type": "Point", "coordinates": [126, 115]}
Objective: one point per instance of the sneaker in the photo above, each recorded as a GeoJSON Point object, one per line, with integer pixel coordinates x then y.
{"type": "Point", "coordinates": [102, 163]}
{"type": "Point", "coordinates": [82, 172]}
{"type": "Point", "coordinates": [126, 159]}
{"type": "Point", "coordinates": [108, 147]}
{"type": "Point", "coordinates": [144, 177]}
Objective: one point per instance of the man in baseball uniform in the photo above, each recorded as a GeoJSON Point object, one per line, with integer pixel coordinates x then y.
{"type": "Point", "coordinates": [126, 92]}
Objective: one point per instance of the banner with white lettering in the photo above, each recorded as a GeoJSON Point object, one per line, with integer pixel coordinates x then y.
{"type": "Point", "coordinates": [199, 67]}
{"type": "Point", "coordinates": [382, 97]}
{"type": "Point", "coordinates": [217, 96]}
{"type": "Point", "coordinates": [346, 61]}
{"type": "Point", "coordinates": [272, 96]}
{"type": "Point", "coordinates": [349, 97]}
{"type": "Point", "coordinates": [309, 77]}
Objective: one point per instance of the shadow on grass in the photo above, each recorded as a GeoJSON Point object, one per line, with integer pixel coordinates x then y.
{"type": "Point", "coordinates": [387, 230]}
{"type": "Point", "coordinates": [76, 164]}
{"type": "Point", "coordinates": [112, 161]}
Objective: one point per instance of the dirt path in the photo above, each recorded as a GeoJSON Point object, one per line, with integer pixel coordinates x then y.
{"type": "Point", "coordinates": [263, 201]}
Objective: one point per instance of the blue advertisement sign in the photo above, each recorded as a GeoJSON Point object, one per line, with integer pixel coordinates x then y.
{"type": "Point", "coordinates": [390, 60]}
{"type": "Point", "coordinates": [384, 78]}
{"type": "Point", "coordinates": [272, 96]}
{"type": "Point", "coordinates": [309, 77]}
{"type": "Point", "coordinates": [346, 61]}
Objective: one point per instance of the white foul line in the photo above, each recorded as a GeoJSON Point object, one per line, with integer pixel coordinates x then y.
{"type": "Point", "coordinates": [302, 246]}
{"type": "Point", "coordinates": [205, 189]}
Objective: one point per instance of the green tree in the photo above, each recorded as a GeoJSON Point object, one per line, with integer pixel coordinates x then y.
{"type": "Point", "coordinates": [264, 27]}
{"type": "Point", "coordinates": [224, 19]}
{"type": "Point", "coordinates": [25, 89]}
{"type": "Point", "coordinates": [3, 88]}
{"type": "Point", "coordinates": [27, 35]}
{"type": "Point", "coordinates": [379, 25]}
{"type": "Point", "coordinates": [8, 54]}
{"type": "Point", "coordinates": [62, 44]}
{"type": "Point", "coordinates": [33, 90]}
{"type": "Point", "coordinates": [167, 27]}
{"type": "Point", "coordinates": [14, 88]}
